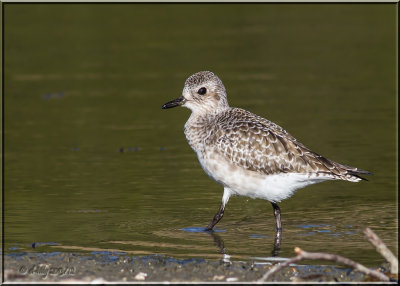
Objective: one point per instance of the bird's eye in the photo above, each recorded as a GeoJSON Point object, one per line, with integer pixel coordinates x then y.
{"type": "Point", "coordinates": [202, 91]}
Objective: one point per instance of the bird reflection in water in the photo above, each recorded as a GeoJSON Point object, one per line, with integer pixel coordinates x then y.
{"type": "Point", "coordinates": [219, 242]}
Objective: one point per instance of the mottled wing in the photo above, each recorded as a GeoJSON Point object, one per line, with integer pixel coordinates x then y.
{"type": "Point", "coordinates": [257, 144]}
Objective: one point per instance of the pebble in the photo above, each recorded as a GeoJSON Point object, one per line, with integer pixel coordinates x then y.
{"type": "Point", "coordinates": [141, 276]}
{"type": "Point", "coordinates": [218, 277]}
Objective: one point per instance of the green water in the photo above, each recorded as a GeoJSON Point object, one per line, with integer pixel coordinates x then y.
{"type": "Point", "coordinates": [92, 163]}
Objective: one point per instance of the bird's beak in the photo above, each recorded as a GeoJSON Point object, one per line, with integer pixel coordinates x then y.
{"type": "Point", "coordinates": [173, 103]}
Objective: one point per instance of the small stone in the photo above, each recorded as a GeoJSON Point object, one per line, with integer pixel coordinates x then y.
{"type": "Point", "coordinates": [141, 276]}
{"type": "Point", "coordinates": [218, 277]}
{"type": "Point", "coordinates": [232, 279]}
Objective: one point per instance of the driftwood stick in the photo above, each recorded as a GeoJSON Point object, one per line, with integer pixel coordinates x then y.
{"type": "Point", "coordinates": [383, 250]}
{"type": "Point", "coordinates": [301, 255]}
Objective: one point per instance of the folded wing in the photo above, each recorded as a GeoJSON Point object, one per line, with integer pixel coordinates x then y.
{"type": "Point", "coordinates": [259, 145]}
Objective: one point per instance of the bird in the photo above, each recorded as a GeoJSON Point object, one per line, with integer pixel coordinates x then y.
{"type": "Point", "coordinates": [246, 153]}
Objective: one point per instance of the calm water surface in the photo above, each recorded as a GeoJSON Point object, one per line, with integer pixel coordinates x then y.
{"type": "Point", "coordinates": [92, 163]}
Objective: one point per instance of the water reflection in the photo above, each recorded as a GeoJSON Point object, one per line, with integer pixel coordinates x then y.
{"type": "Point", "coordinates": [87, 145]}
{"type": "Point", "coordinates": [219, 242]}
{"type": "Point", "coordinates": [212, 247]}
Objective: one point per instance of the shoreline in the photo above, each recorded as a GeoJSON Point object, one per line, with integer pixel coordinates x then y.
{"type": "Point", "coordinates": [70, 267]}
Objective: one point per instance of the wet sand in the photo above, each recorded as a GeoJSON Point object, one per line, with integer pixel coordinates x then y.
{"type": "Point", "coordinates": [102, 268]}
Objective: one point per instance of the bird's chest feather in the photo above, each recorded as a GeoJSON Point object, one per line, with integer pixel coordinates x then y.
{"type": "Point", "coordinates": [214, 166]}
{"type": "Point", "coordinates": [195, 137]}
{"type": "Point", "coordinates": [200, 134]}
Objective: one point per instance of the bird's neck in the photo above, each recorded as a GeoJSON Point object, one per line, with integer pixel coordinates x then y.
{"type": "Point", "coordinates": [201, 117]}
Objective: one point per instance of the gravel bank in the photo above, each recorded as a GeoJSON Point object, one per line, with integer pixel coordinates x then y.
{"type": "Point", "coordinates": [74, 267]}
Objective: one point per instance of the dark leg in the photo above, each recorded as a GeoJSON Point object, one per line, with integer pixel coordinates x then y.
{"type": "Point", "coordinates": [278, 236]}
{"type": "Point", "coordinates": [277, 214]}
{"type": "Point", "coordinates": [217, 217]}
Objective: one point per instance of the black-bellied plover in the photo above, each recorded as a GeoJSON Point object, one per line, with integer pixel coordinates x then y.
{"type": "Point", "coordinates": [247, 154]}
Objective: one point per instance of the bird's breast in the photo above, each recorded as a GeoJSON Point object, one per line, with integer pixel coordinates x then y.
{"type": "Point", "coordinates": [200, 134]}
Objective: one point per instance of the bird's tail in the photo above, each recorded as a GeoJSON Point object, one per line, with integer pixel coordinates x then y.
{"type": "Point", "coordinates": [357, 172]}
{"type": "Point", "coordinates": [352, 174]}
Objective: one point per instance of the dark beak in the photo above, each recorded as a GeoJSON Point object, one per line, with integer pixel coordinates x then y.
{"type": "Point", "coordinates": [174, 103]}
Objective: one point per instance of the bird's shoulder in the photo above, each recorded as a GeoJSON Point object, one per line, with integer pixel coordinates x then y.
{"type": "Point", "coordinates": [241, 125]}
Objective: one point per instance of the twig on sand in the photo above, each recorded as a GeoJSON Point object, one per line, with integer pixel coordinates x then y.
{"type": "Point", "coordinates": [383, 250]}
{"type": "Point", "coordinates": [301, 255]}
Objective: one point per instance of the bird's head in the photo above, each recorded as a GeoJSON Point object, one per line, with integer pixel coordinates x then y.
{"type": "Point", "coordinates": [203, 93]}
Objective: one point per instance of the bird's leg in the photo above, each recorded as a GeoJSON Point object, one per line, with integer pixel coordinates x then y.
{"type": "Point", "coordinates": [278, 236]}
{"type": "Point", "coordinates": [220, 213]}
{"type": "Point", "coordinates": [218, 216]}
{"type": "Point", "coordinates": [277, 214]}
{"type": "Point", "coordinates": [277, 244]}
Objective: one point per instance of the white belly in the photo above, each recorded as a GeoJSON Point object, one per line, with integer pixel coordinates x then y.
{"type": "Point", "coordinates": [242, 182]}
